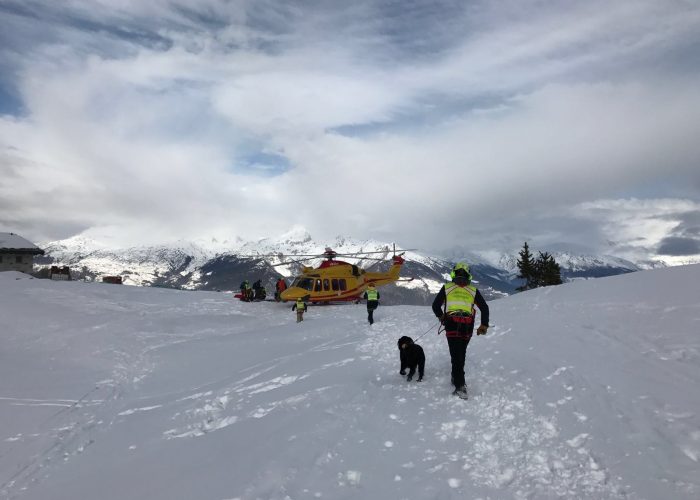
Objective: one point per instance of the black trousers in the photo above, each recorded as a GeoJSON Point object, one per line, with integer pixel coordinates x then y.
{"type": "Point", "coordinates": [371, 306]}
{"type": "Point", "coordinates": [458, 355]}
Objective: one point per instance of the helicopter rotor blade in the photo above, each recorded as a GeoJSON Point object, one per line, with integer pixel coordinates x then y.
{"type": "Point", "coordinates": [310, 255]}
{"type": "Point", "coordinates": [362, 259]}
{"type": "Point", "coordinates": [288, 262]}
{"type": "Point", "coordinates": [359, 261]}
{"type": "Point", "coordinates": [298, 258]}
{"type": "Point", "coordinates": [367, 253]}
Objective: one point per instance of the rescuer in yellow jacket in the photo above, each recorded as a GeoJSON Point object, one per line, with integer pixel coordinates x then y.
{"type": "Point", "coordinates": [454, 307]}
{"type": "Point", "coordinates": [372, 297]}
{"type": "Point", "coordinates": [300, 306]}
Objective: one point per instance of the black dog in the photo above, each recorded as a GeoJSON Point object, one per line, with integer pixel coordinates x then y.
{"type": "Point", "coordinates": [412, 357]}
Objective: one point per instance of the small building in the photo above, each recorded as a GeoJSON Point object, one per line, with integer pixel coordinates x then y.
{"type": "Point", "coordinates": [59, 273]}
{"type": "Point", "coordinates": [17, 254]}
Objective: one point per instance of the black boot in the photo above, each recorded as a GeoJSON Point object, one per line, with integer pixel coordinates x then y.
{"type": "Point", "coordinates": [461, 392]}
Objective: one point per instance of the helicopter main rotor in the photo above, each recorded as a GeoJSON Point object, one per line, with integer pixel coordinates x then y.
{"type": "Point", "coordinates": [330, 255]}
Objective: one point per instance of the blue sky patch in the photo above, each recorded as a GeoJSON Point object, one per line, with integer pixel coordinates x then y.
{"type": "Point", "coordinates": [10, 102]}
{"type": "Point", "coordinates": [264, 164]}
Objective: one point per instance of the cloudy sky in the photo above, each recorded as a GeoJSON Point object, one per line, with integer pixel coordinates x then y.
{"type": "Point", "coordinates": [432, 124]}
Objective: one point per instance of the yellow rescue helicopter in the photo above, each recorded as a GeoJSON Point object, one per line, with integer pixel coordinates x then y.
{"type": "Point", "coordinates": [338, 281]}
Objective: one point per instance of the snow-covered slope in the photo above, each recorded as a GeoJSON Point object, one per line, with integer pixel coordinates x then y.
{"type": "Point", "coordinates": [586, 390]}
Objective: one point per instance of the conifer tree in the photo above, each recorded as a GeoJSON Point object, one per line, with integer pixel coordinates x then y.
{"type": "Point", "coordinates": [547, 271]}
{"type": "Point", "coordinates": [526, 266]}
{"type": "Point", "coordinates": [554, 273]}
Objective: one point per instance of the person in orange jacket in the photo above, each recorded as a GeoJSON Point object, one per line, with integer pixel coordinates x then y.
{"type": "Point", "coordinates": [280, 287]}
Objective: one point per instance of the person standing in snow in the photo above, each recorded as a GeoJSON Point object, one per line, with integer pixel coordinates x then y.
{"type": "Point", "coordinates": [300, 306]}
{"type": "Point", "coordinates": [372, 298]}
{"type": "Point", "coordinates": [246, 292]}
{"type": "Point", "coordinates": [259, 292]}
{"type": "Point", "coordinates": [280, 287]}
{"type": "Point", "coordinates": [454, 307]}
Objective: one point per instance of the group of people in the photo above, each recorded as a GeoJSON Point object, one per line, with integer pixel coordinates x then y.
{"type": "Point", "coordinates": [251, 293]}
{"type": "Point", "coordinates": [454, 306]}
{"type": "Point", "coordinates": [257, 291]}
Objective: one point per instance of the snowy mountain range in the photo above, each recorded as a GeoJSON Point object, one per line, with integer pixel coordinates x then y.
{"type": "Point", "coordinates": [222, 265]}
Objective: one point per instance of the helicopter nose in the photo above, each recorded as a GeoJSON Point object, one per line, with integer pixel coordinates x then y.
{"type": "Point", "coordinates": [293, 293]}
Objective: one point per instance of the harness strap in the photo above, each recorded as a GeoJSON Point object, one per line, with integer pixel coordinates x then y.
{"type": "Point", "coordinates": [460, 318]}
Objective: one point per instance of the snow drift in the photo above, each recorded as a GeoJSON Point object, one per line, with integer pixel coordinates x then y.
{"type": "Point", "coordinates": [585, 390]}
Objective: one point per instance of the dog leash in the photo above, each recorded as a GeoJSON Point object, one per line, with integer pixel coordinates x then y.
{"type": "Point", "coordinates": [426, 332]}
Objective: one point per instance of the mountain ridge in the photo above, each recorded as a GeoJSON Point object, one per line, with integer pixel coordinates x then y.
{"type": "Point", "coordinates": [222, 264]}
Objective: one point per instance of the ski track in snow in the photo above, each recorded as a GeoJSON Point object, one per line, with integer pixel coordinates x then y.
{"type": "Point", "coordinates": [501, 441]}
{"type": "Point", "coordinates": [496, 438]}
{"type": "Point", "coordinates": [62, 436]}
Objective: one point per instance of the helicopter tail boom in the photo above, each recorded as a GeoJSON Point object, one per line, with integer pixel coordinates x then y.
{"type": "Point", "coordinates": [391, 276]}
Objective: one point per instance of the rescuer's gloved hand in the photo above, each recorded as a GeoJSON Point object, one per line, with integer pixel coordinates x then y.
{"type": "Point", "coordinates": [482, 330]}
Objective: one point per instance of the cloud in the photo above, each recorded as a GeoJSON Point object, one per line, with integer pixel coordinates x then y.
{"type": "Point", "coordinates": [676, 246]}
{"type": "Point", "coordinates": [641, 229]}
{"type": "Point", "coordinates": [684, 238]}
{"type": "Point", "coordinates": [431, 125]}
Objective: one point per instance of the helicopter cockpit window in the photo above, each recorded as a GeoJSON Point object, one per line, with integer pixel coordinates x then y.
{"type": "Point", "coordinates": [343, 286]}
{"type": "Point", "coordinates": [334, 283]}
{"type": "Point", "coordinates": [318, 285]}
{"type": "Point", "coordinates": [305, 283]}
{"type": "Point", "coordinates": [355, 271]}
{"type": "Point", "coordinates": [326, 285]}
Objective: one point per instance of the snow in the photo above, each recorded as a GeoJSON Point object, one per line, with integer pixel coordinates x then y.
{"type": "Point", "coordinates": [585, 390]}
{"type": "Point", "coordinates": [433, 286]}
{"type": "Point", "coordinates": [12, 241]}
{"type": "Point", "coordinates": [144, 264]}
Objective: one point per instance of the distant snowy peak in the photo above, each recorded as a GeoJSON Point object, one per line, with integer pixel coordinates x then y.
{"type": "Point", "coordinates": [295, 236]}
{"type": "Point", "coordinates": [72, 250]}
{"type": "Point", "coordinates": [655, 264]}
{"type": "Point", "coordinates": [298, 241]}
{"type": "Point", "coordinates": [567, 261]}
{"type": "Point", "coordinates": [75, 244]}
{"type": "Point", "coordinates": [574, 262]}
{"type": "Point", "coordinates": [214, 245]}
{"type": "Point", "coordinates": [83, 247]}
{"type": "Point", "coordinates": [461, 254]}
